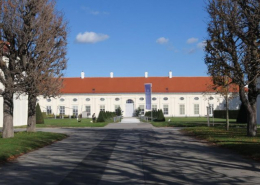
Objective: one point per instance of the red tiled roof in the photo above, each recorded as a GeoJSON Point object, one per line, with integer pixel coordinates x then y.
{"type": "Point", "coordinates": [136, 84]}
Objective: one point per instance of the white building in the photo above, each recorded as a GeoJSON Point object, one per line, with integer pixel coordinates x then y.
{"type": "Point", "coordinates": [176, 96]}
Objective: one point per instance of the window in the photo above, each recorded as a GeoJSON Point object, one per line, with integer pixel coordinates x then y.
{"type": "Point", "coordinates": [165, 98]}
{"type": "Point", "coordinates": [153, 99]}
{"type": "Point", "coordinates": [48, 100]}
{"type": "Point", "coordinates": [154, 107]}
{"type": "Point", "coordinates": [116, 107]}
{"type": "Point", "coordinates": [62, 99]}
{"type": "Point", "coordinates": [165, 109]}
{"type": "Point", "coordinates": [181, 98]}
{"type": "Point", "coordinates": [62, 110]}
{"type": "Point", "coordinates": [102, 108]}
{"type": "Point", "coordinates": [88, 110]}
{"type": "Point", "coordinates": [102, 99]}
{"type": "Point", "coordinates": [75, 99]}
{"type": "Point", "coordinates": [196, 109]}
{"type": "Point", "coordinates": [182, 109]}
{"type": "Point", "coordinates": [75, 110]}
{"type": "Point", "coordinates": [211, 108]}
{"type": "Point", "coordinates": [48, 110]}
{"type": "Point", "coordinates": [141, 99]}
{"type": "Point", "coordinates": [117, 99]}
{"type": "Point", "coordinates": [211, 98]}
{"type": "Point", "coordinates": [129, 101]}
{"type": "Point", "coordinates": [196, 98]}
{"type": "Point", "coordinates": [142, 109]}
{"type": "Point", "coordinates": [87, 99]}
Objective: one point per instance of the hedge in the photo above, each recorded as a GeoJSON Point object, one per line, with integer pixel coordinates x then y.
{"type": "Point", "coordinates": [222, 114]}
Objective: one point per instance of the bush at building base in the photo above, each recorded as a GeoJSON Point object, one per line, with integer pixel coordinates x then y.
{"type": "Point", "coordinates": [39, 117]}
{"type": "Point", "coordinates": [105, 116]}
{"type": "Point", "coordinates": [160, 117]}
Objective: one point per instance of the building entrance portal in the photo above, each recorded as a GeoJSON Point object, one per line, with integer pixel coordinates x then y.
{"type": "Point", "coordinates": [129, 108]}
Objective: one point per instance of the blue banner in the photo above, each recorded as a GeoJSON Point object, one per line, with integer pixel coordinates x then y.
{"type": "Point", "coordinates": [148, 92]}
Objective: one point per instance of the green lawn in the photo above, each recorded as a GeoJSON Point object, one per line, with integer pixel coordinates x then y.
{"type": "Point", "coordinates": [234, 139]}
{"type": "Point", "coordinates": [191, 122]}
{"type": "Point", "coordinates": [69, 123]}
{"type": "Point", "coordinates": [24, 142]}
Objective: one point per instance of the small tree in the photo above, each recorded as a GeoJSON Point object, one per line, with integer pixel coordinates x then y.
{"type": "Point", "coordinates": [161, 117]}
{"type": "Point", "coordinates": [101, 117]}
{"type": "Point", "coordinates": [39, 116]}
{"type": "Point", "coordinates": [118, 111]}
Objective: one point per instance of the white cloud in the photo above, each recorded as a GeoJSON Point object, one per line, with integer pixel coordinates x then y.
{"type": "Point", "coordinates": [201, 45]}
{"type": "Point", "coordinates": [91, 37]}
{"type": "Point", "coordinates": [162, 40]}
{"type": "Point", "coordinates": [93, 12]}
{"type": "Point", "coordinates": [192, 40]}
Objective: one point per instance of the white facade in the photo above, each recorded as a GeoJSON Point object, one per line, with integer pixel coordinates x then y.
{"type": "Point", "coordinates": [20, 112]}
{"type": "Point", "coordinates": [172, 104]}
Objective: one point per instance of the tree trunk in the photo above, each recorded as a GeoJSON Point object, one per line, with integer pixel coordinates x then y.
{"type": "Point", "coordinates": [251, 123]}
{"type": "Point", "coordinates": [8, 128]}
{"type": "Point", "coordinates": [227, 114]}
{"type": "Point", "coordinates": [31, 123]}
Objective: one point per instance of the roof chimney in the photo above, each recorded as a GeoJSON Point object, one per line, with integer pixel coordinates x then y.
{"type": "Point", "coordinates": [170, 74]}
{"type": "Point", "coordinates": [146, 74]}
{"type": "Point", "coordinates": [111, 74]}
{"type": "Point", "coordinates": [82, 75]}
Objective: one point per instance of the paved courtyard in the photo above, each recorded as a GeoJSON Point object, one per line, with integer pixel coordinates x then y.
{"type": "Point", "coordinates": [129, 153]}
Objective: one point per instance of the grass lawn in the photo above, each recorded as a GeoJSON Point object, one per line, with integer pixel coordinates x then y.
{"type": "Point", "coordinates": [69, 123]}
{"type": "Point", "coordinates": [24, 142]}
{"type": "Point", "coordinates": [191, 122]}
{"type": "Point", "coordinates": [234, 139]}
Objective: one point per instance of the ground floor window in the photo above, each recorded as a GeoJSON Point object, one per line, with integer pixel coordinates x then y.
{"type": "Point", "coordinates": [182, 109]}
{"type": "Point", "coordinates": [211, 108]}
{"type": "Point", "coordinates": [75, 110]}
{"type": "Point", "coordinates": [116, 107]}
{"type": "Point", "coordinates": [165, 109]}
{"type": "Point", "coordinates": [48, 110]}
{"type": "Point", "coordinates": [196, 109]}
{"type": "Point", "coordinates": [88, 110]}
{"type": "Point", "coordinates": [102, 108]}
{"type": "Point", "coordinates": [62, 110]}
{"type": "Point", "coordinates": [154, 107]}
{"type": "Point", "coordinates": [142, 109]}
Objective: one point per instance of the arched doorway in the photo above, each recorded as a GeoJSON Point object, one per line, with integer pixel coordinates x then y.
{"type": "Point", "coordinates": [129, 108]}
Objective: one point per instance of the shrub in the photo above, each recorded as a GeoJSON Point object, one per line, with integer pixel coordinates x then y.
{"type": "Point", "coordinates": [160, 117]}
{"type": "Point", "coordinates": [39, 117]}
{"type": "Point", "coordinates": [222, 114]}
{"type": "Point", "coordinates": [101, 117]}
{"type": "Point", "coordinates": [118, 111]}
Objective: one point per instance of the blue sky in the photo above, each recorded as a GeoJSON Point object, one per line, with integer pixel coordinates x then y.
{"type": "Point", "coordinates": [129, 37]}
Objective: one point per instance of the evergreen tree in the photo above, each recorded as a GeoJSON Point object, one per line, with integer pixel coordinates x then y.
{"type": "Point", "coordinates": [101, 117]}
{"type": "Point", "coordinates": [39, 116]}
{"type": "Point", "coordinates": [161, 117]}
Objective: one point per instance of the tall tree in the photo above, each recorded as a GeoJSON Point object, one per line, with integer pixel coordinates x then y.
{"type": "Point", "coordinates": [43, 52]}
{"type": "Point", "coordinates": [232, 49]}
{"type": "Point", "coordinates": [9, 66]}
{"type": "Point", "coordinates": [39, 39]}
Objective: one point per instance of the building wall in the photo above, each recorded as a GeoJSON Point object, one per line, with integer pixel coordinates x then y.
{"type": "Point", "coordinates": [174, 101]}
{"type": "Point", "coordinates": [20, 111]}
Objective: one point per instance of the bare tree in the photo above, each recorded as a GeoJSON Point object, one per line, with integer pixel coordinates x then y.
{"type": "Point", "coordinates": [9, 66]}
{"type": "Point", "coordinates": [43, 52]}
{"type": "Point", "coordinates": [232, 49]}
{"type": "Point", "coordinates": [39, 40]}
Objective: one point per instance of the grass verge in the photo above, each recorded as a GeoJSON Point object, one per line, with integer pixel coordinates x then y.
{"type": "Point", "coordinates": [69, 123]}
{"type": "Point", "coordinates": [24, 142]}
{"type": "Point", "coordinates": [234, 139]}
{"type": "Point", "coordinates": [192, 122]}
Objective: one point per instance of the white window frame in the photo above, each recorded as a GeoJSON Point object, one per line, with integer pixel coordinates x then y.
{"type": "Point", "coordinates": [102, 108]}
{"type": "Point", "coordinates": [62, 109]}
{"type": "Point", "coordinates": [196, 109]}
{"type": "Point", "coordinates": [142, 109]}
{"type": "Point", "coordinates": [166, 109]}
{"type": "Point", "coordinates": [75, 110]}
{"type": "Point", "coordinates": [48, 110]}
{"type": "Point", "coordinates": [154, 107]}
{"type": "Point", "coordinates": [182, 109]}
{"type": "Point", "coordinates": [88, 111]}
